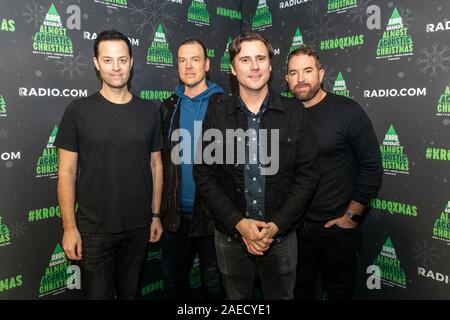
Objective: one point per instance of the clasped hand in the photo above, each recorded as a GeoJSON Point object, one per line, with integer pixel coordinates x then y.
{"type": "Point", "coordinates": [257, 235]}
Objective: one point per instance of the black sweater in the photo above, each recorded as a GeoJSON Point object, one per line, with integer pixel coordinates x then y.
{"type": "Point", "coordinates": [350, 161]}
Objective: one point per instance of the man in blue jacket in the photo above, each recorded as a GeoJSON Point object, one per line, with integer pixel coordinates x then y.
{"type": "Point", "coordinates": [188, 230]}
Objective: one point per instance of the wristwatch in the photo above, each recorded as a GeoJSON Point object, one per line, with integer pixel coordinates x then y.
{"type": "Point", "coordinates": [354, 216]}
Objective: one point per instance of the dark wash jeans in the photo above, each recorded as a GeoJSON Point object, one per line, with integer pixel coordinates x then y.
{"type": "Point", "coordinates": [178, 253]}
{"type": "Point", "coordinates": [112, 263]}
{"type": "Point", "coordinates": [276, 268]}
{"type": "Point", "coordinates": [329, 256]}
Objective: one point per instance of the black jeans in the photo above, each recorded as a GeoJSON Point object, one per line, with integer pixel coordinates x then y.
{"type": "Point", "coordinates": [276, 269]}
{"type": "Point", "coordinates": [329, 255]}
{"type": "Point", "coordinates": [178, 253]}
{"type": "Point", "coordinates": [112, 263]}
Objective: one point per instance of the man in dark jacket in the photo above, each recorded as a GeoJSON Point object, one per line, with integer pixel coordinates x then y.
{"type": "Point", "coordinates": [188, 230]}
{"type": "Point", "coordinates": [256, 201]}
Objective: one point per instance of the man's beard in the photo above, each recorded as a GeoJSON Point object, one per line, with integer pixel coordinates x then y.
{"type": "Point", "coordinates": [309, 95]}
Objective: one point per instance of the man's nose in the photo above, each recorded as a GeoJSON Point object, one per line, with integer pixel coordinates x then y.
{"type": "Point", "coordinates": [255, 64]}
{"type": "Point", "coordinates": [116, 65]}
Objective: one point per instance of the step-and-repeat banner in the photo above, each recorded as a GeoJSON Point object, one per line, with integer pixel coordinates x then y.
{"type": "Point", "coordinates": [393, 57]}
{"type": "Point", "coordinates": [46, 50]}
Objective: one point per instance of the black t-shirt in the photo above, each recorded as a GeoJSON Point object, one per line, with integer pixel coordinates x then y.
{"type": "Point", "coordinates": [113, 142]}
{"type": "Point", "coordinates": [350, 161]}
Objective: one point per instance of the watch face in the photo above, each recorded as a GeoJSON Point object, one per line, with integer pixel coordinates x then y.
{"type": "Point", "coordinates": [354, 217]}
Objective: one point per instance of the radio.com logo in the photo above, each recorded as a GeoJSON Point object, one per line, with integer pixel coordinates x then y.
{"type": "Point", "coordinates": [404, 92]}
{"type": "Point", "coordinates": [52, 92]}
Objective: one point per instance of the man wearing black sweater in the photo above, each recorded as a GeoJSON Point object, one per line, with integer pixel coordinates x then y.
{"type": "Point", "coordinates": [351, 174]}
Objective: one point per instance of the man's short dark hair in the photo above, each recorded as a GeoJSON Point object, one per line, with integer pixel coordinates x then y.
{"type": "Point", "coordinates": [307, 51]}
{"type": "Point", "coordinates": [235, 46]}
{"type": "Point", "coordinates": [194, 41]}
{"type": "Point", "coordinates": [113, 35]}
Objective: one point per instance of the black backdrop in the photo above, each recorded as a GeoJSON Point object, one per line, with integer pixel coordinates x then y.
{"type": "Point", "coordinates": [393, 57]}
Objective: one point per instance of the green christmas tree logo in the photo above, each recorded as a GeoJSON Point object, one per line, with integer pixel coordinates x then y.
{"type": "Point", "coordinates": [54, 280]}
{"type": "Point", "coordinates": [47, 164]}
{"type": "Point", "coordinates": [197, 13]}
{"type": "Point", "coordinates": [159, 53]}
{"type": "Point", "coordinates": [395, 42]}
{"type": "Point", "coordinates": [443, 106]}
{"type": "Point", "coordinates": [2, 107]}
{"type": "Point", "coordinates": [5, 235]}
{"type": "Point", "coordinates": [52, 38]}
{"type": "Point", "coordinates": [392, 154]}
{"type": "Point", "coordinates": [297, 41]}
{"type": "Point", "coordinates": [340, 5]}
{"type": "Point", "coordinates": [392, 273]}
{"type": "Point", "coordinates": [262, 18]}
{"type": "Point", "coordinates": [340, 87]}
{"type": "Point", "coordinates": [225, 61]}
{"type": "Point", "coordinates": [441, 227]}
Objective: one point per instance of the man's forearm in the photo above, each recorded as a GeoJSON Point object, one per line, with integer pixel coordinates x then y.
{"type": "Point", "coordinates": [157, 177]}
{"type": "Point", "coordinates": [66, 197]}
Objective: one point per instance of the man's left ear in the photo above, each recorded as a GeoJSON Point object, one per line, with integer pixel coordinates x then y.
{"type": "Point", "coordinates": [131, 64]}
{"type": "Point", "coordinates": [321, 74]}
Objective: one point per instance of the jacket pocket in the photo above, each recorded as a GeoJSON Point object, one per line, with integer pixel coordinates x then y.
{"type": "Point", "coordinates": [288, 143]}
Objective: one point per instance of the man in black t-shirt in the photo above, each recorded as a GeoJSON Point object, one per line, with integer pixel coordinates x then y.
{"type": "Point", "coordinates": [110, 164]}
{"type": "Point", "coordinates": [351, 174]}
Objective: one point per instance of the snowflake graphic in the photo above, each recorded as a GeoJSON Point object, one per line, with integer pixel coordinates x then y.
{"type": "Point", "coordinates": [72, 66]}
{"type": "Point", "coordinates": [425, 253]}
{"type": "Point", "coordinates": [154, 12]}
{"type": "Point", "coordinates": [369, 69]}
{"type": "Point", "coordinates": [18, 229]}
{"type": "Point", "coordinates": [313, 9]}
{"type": "Point", "coordinates": [436, 59]}
{"type": "Point", "coordinates": [4, 133]}
{"type": "Point", "coordinates": [1, 62]}
{"type": "Point", "coordinates": [407, 16]}
{"type": "Point", "coordinates": [359, 13]}
{"type": "Point", "coordinates": [322, 28]}
{"type": "Point", "coordinates": [34, 14]}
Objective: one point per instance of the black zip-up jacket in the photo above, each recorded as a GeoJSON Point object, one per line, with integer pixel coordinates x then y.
{"type": "Point", "coordinates": [201, 224]}
{"type": "Point", "coordinates": [288, 192]}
